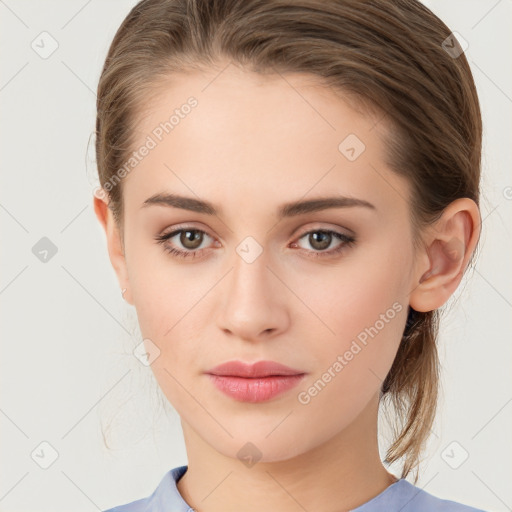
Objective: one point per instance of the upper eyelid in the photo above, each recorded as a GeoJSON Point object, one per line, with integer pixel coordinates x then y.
{"type": "Point", "coordinates": [321, 227]}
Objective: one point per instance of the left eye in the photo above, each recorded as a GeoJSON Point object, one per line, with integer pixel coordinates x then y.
{"type": "Point", "coordinates": [320, 239]}
{"type": "Point", "coordinates": [191, 239]}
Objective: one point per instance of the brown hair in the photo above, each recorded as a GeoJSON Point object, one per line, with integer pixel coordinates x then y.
{"type": "Point", "coordinates": [391, 55]}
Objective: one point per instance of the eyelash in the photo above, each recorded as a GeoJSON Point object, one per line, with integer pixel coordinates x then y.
{"type": "Point", "coordinates": [348, 241]}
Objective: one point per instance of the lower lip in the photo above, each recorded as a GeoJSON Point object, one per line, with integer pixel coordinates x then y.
{"type": "Point", "coordinates": [255, 389]}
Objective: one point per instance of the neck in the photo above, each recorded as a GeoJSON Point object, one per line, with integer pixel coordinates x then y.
{"type": "Point", "coordinates": [340, 474]}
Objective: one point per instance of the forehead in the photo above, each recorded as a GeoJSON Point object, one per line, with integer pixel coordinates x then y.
{"type": "Point", "coordinates": [233, 136]}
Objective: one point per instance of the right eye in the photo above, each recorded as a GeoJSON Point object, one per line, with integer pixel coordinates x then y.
{"type": "Point", "coordinates": [189, 238]}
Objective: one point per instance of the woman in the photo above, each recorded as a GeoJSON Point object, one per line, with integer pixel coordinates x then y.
{"type": "Point", "coordinates": [290, 192]}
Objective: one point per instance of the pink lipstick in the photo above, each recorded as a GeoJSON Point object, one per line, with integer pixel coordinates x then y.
{"type": "Point", "coordinates": [256, 382]}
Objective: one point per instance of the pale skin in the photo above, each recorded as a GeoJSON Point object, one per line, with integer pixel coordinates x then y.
{"type": "Point", "coordinates": [252, 144]}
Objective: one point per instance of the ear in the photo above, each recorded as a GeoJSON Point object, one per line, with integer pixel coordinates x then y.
{"type": "Point", "coordinates": [448, 246]}
{"type": "Point", "coordinates": [114, 243]}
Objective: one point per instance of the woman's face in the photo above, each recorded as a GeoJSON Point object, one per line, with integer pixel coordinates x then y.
{"type": "Point", "coordinates": [261, 281]}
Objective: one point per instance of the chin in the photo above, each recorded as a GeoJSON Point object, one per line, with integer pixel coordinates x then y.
{"type": "Point", "coordinates": [252, 447]}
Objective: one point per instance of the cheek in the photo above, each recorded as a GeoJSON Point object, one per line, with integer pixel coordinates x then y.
{"type": "Point", "coordinates": [363, 308]}
{"type": "Point", "coordinates": [163, 292]}
{"type": "Point", "coordinates": [347, 298]}
{"type": "Point", "coordinates": [170, 303]}
{"type": "Point", "coordinates": [349, 371]}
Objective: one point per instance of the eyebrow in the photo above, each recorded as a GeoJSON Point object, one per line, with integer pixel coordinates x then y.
{"type": "Point", "coordinates": [291, 209]}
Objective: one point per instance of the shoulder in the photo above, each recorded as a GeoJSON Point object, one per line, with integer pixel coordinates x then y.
{"type": "Point", "coordinates": [164, 496]}
{"type": "Point", "coordinates": [406, 497]}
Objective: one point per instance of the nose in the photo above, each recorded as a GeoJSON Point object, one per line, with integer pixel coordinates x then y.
{"type": "Point", "coordinates": [253, 303]}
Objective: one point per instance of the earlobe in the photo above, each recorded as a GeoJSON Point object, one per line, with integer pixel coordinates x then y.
{"type": "Point", "coordinates": [114, 245]}
{"type": "Point", "coordinates": [449, 245]}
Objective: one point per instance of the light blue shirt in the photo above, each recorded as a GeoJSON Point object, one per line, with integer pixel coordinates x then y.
{"type": "Point", "coordinates": [401, 496]}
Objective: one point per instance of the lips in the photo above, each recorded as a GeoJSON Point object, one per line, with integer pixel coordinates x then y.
{"type": "Point", "coordinates": [258, 382]}
{"type": "Point", "coordinates": [255, 370]}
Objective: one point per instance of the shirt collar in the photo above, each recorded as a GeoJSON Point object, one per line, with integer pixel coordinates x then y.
{"type": "Point", "coordinates": [167, 497]}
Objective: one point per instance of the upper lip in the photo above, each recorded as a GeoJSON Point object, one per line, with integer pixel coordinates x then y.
{"type": "Point", "coordinates": [258, 369]}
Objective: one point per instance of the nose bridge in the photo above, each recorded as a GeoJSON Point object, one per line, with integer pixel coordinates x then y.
{"type": "Point", "coordinates": [249, 281]}
{"type": "Point", "coordinates": [252, 304]}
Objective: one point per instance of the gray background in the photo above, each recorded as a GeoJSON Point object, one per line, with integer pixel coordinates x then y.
{"type": "Point", "coordinates": [66, 365]}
